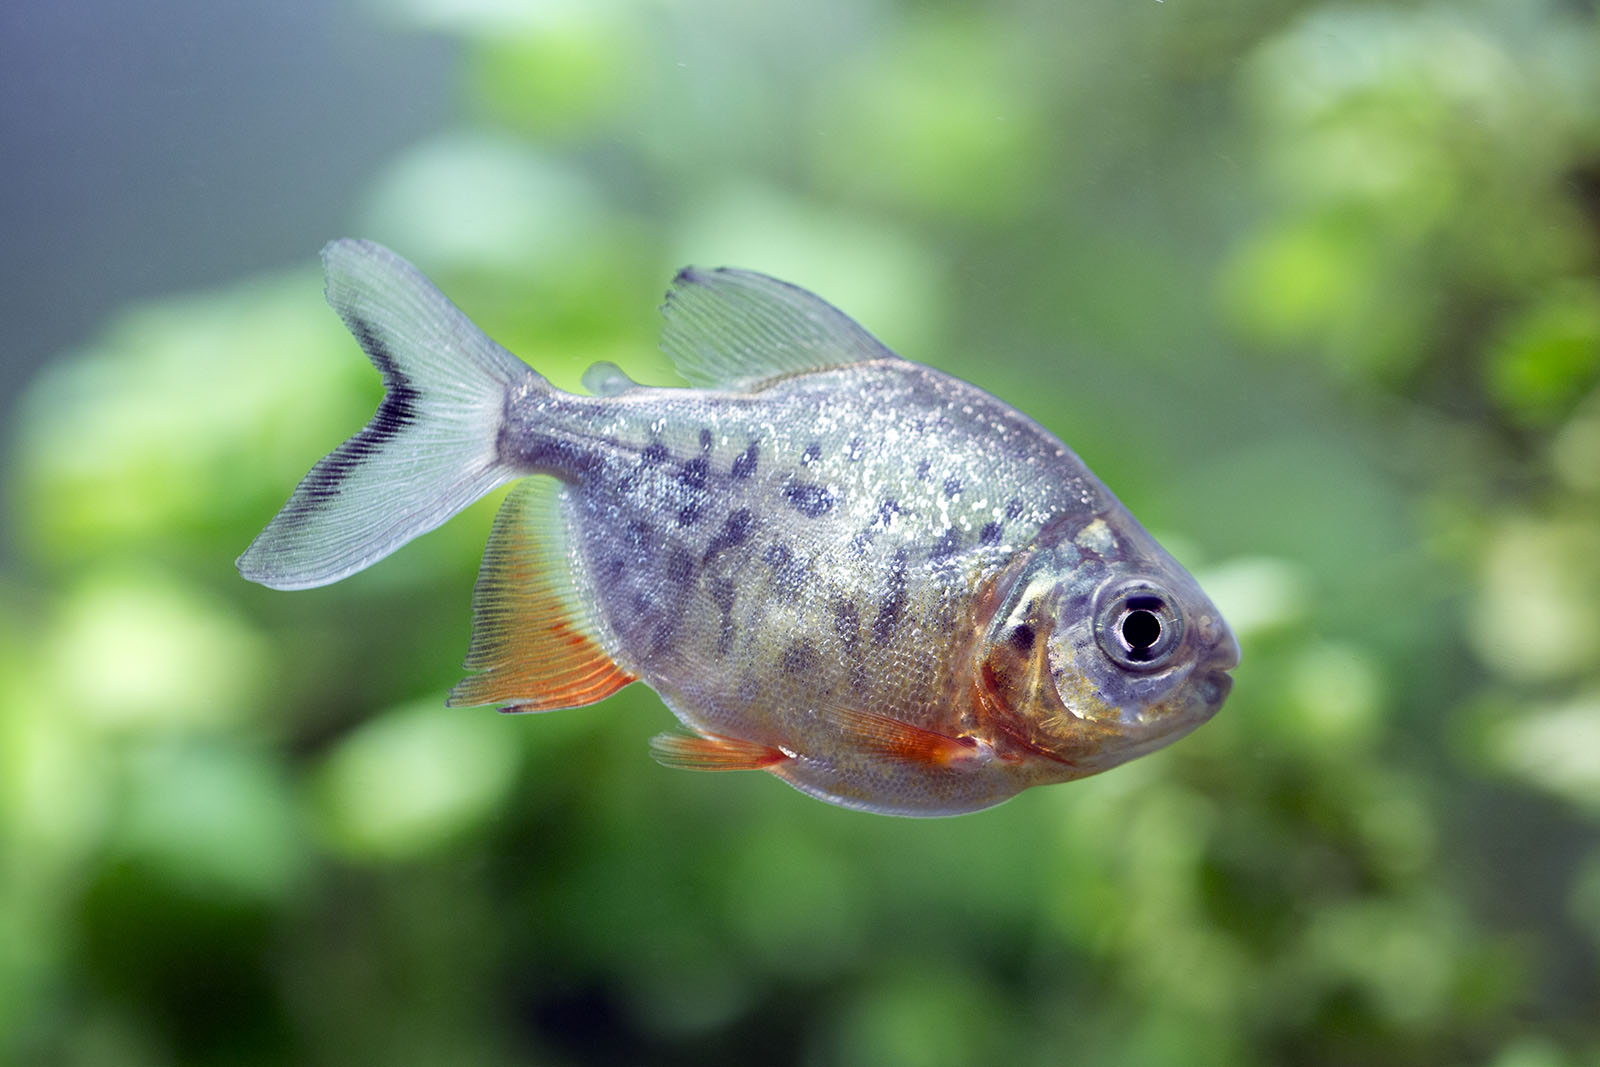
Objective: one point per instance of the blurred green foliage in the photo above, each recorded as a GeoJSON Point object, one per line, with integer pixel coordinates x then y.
{"type": "Point", "coordinates": [1314, 286]}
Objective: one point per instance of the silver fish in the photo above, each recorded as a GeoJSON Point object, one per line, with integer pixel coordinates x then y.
{"type": "Point", "coordinates": [855, 572]}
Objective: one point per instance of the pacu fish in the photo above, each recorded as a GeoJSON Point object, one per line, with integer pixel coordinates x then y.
{"type": "Point", "coordinates": [859, 574]}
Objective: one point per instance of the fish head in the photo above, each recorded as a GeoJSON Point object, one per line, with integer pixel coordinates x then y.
{"type": "Point", "coordinates": [1098, 647]}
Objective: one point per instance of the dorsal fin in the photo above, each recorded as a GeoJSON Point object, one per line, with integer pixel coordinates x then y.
{"type": "Point", "coordinates": [535, 642]}
{"type": "Point", "coordinates": [731, 328]}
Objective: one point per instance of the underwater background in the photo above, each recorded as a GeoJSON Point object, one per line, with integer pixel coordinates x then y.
{"type": "Point", "coordinates": [1313, 287]}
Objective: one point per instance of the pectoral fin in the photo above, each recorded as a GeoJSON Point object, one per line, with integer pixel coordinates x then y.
{"type": "Point", "coordinates": [898, 740]}
{"type": "Point", "coordinates": [861, 731]}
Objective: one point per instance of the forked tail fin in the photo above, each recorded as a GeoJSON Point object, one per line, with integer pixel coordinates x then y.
{"type": "Point", "coordinates": [431, 449]}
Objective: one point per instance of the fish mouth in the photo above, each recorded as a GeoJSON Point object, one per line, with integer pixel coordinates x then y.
{"type": "Point", "coordinates": [1215, 681]}
{"type": "Point", "coordinates": [1220, 682]}
{"type": "Point", "coordinates": [1225, 654]}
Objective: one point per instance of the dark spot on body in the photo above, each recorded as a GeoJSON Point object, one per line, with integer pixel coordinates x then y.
{"type": "Point", "coordinates": [705, 440]}
{"type": "Point", "coordinates": [744, 464]}
{"type": "Point", "coordinates": [1022, 637]}
{"type": "Point", "coordinates": [680, 567]}
{"type": "Point", "coordinates": [857, 667]}
{"type": "Point", "coordinates": [846, 623]}
{"type": "Point", "coordinates": [808, 499]}
{"type": "Point", "coordinates": [923, 467]}
{"type": "Point", "coordinates": [692, 476]}
{"type": "Point", "coordinates": [990, 534]}
{"type": "Point", "coordinates": [888, 508]}
{"type": "Point", "coordinates": [860, 544]}
{"type": "Point", "coordinates": [664, 635]}
{"type": "Point", "coordinates": [893, 604]}
{"type": "Point", "coordinates": [952, 486]}
{"type": "Point", "coordinates": [800, 658]}
{"type": "Point", "coordinates": [735, 532]}
{"type": "Point", "coordinates": [722, 595]}
{"type": "Point", "coordinates": [1014, 509]}
{"type": "Point", "coordinates": [812, 453]}
{"type": "Point", "coordinates": [948, 544]}
{"type": "Point", "coordinates": [694, 473]}
{"type": "Point", "coordinates": [654, 453]}
{"type": "Point", "coordinates": [643, 537]}
{"type": "Point", "coordinates": [543, 452]}
{"type": "Point", "coordinates": [789, 573]}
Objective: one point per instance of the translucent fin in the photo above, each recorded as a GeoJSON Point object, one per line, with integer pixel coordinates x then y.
{"type": "Point", "coordinates": [730, 328]}
{"type": "Point", "coordinates": [607, 379]}
{"type": "Point", "coordinates": [899, 740]}
{"type": "Point", "coordinates": [428, 452]}
{"type": "Point", "coordinates": [687, 753]}
{"type": "Point", "coordinates": [534, 641]}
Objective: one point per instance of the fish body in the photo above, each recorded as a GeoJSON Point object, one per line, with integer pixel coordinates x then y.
{"type": "Point", "coordinates": [868, 578]}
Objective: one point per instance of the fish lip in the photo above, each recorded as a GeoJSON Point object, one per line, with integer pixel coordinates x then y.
{"type": "Point", "coordinates": [1212, 674]}
{"type": "Point", "coordinates": [1225, 653]}
{"type": "Point", "coordinates": [1223, 681]}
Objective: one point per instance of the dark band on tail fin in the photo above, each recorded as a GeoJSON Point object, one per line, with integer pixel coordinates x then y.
{"type": "Point", "coordinates": [431, 449]}
{"type": "Point", "coordinates": [398, 410]}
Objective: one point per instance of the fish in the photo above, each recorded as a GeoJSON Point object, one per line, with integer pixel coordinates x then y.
{"type": "Point", "coordinates": [854, 572]}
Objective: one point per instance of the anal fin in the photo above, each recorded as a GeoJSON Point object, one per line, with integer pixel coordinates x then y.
{"type": "Point", "coordinates": [713, 753]}
{"type": "Point", "coordinates": [535, 643]}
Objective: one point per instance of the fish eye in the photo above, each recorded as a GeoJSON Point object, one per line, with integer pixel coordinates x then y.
{"type": "Point", "coordinates": [1138, 627]}
{"type": "Point", "coordinates": [1141, 626]}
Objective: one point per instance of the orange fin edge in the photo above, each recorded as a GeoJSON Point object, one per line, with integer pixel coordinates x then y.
{"type": "Point", "coordinates": [534, 645]}
{"type": "Point", "coordinates": [898, 740]}
{"type": "Point", "coordinates": [692, 753]}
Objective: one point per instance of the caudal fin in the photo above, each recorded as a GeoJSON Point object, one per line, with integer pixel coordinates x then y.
{"type": "Point", "coordinates": [431, 449]}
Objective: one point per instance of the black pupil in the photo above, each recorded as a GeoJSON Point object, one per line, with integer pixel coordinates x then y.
{"type": "Point", "coordinates": [1141, 629]}
{"type": "Point", "coordinates": [1022, 638]}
